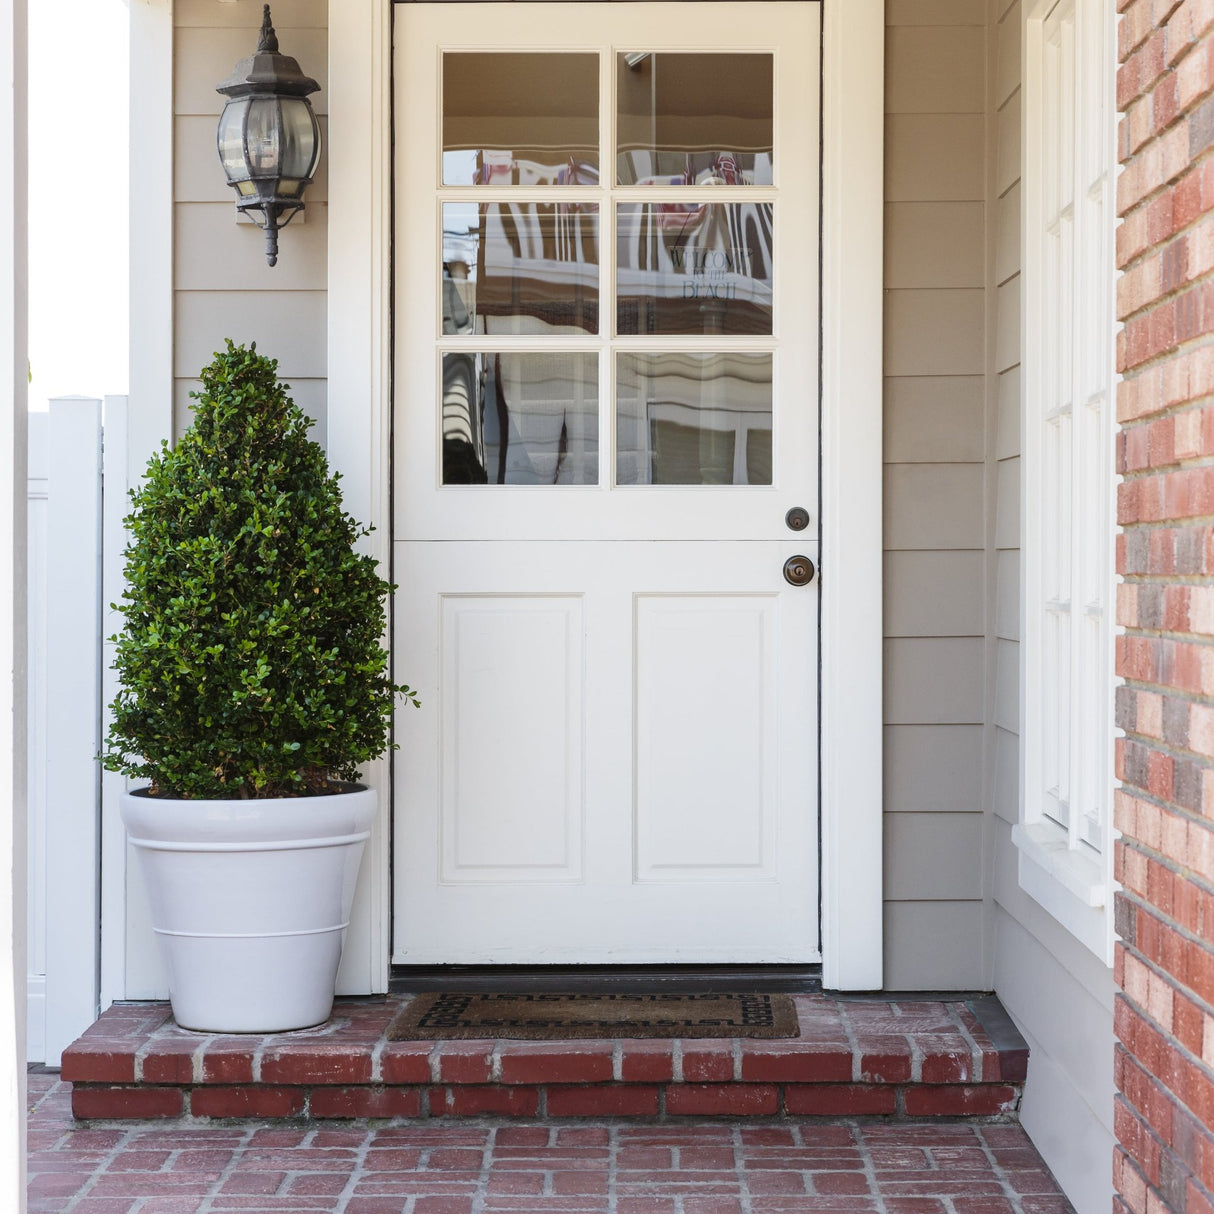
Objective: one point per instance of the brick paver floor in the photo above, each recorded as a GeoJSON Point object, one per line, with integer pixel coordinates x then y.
{"type": "Point", "coordinates": [486, 1167]}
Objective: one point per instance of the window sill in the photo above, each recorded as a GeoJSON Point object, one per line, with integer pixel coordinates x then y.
{"type": "Point", "coordinates": [1074, 888]}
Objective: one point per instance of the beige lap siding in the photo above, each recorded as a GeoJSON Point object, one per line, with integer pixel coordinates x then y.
{"type": "Point", "coordinates": [222, 285]}
{"type": "Point", "coordinates": [934, 488]}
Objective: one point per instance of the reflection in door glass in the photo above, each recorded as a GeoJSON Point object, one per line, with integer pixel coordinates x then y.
{"type": "Point", "coordinates": [520, 267]}
{"type": "Point", "coordinates": [694, 267]}
{"type": "Point", "coordinates": [520, 419]}
{"type": "Point", "coordinates": [693, 119]}
{"type": "Point", "coordinates": [693, 419]}
{"type": "Point", "coordinates": [520, 119]}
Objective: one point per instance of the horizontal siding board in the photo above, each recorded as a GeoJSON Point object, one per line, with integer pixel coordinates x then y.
{"type": "Point", "coordinates": [287, 325]}
{"type": "Point", "coordinates": [198, 177]}
{"type": "Point", "coordinates": [933, 768]}
{"type": "Point", "coordinates": [933, 506]}
{"type": "Point", "coordinates": [1007, 594]}
{"type": "Point", "coordinates": [1007, 685]}
{"type": "Point", "coordinates": [216, 253]}
{"type": "Point", "coordinates": [1007, 503]}
{"type": "Point", "coordinates": [1007, 235]}
{"type": "Point", "coordinates": [1000, 9]}
{"type": "Point", "coordinates": [1063, 1005]}
{"type": "Point", "coordinates": [934, 332]}
{"type": "Point", "coordinates": [205, 57]}
{"type": "Point", "coordinates": [933, 593]}
{"type": "Point", "coordinates": [937, 70]}
{"type": "Point", "coordinates": [1007, 55]}
{"type": "Point", "coordinates": [1007, 324]}
{"type": "Point", "coordinates": [934, 419]}
{"type": "Point", "coordinates": [1006, 794]}
{"type": "Point", "coordinates": [308, 394]}
{"type": "Point", "coordinates": [934, 12]}
{"type": "Point", "coordinates": [933, 681]}
{"type": "Point", "coordinates": [1093, 980]}
{"type": "Point", "coordinates": [934, 244]}
{"type": "Point", "coordinates": [292, 14]}
{"type": "Point", "coordinates": [933, 857]}
{"type": "Point", "coordinates": [934, 157]}
{"type": "Point", "coordinates": [1007, 145]}
{"type": "Point", "coordinates": [934, 946]}
{"type": "Point", "coordinates": [1007, 429]}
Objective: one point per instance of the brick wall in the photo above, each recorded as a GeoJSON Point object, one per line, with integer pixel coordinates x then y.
{"type": "Point", "coordinates": [1164, 1112]}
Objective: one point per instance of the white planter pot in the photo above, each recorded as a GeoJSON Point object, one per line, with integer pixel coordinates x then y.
{"type": "Point", "coordinates": [250, 901]}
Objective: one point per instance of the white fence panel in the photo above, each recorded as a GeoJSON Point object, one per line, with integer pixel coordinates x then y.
{"type": "Point", "coordinates": [65, 735]}
{"type": "Point", "coordinates": [36, 498]}
{"type": "Point", "coordinates": [115, 505]}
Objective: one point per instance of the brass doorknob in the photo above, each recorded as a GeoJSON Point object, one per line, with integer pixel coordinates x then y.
{"type": "Point", "coordinates": [798, 571]}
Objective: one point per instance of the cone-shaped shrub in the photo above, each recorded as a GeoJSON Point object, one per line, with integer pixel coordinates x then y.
{"type": "Point", "coordinates": [250, 662]}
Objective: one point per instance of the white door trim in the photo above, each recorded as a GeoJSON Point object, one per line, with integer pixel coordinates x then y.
{"type": "Point", "coordinates": [358, 419]}
{"type": "Point", "coordinates": [853, 133]}
{"type": "Point", "coordinates": [359, 374]}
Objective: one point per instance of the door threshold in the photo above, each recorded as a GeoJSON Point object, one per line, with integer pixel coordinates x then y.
{"type": "Point", "coordinates": [641, 979]}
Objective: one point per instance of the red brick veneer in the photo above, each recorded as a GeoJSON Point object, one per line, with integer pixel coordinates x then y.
{"type": "Point", "coordinates": [877, 1057]}
{"type": "Point", "coordinates": [1164, 1113]}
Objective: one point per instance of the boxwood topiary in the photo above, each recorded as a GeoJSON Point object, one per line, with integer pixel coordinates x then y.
{"type": "Point", "coordinates": [250, 663]}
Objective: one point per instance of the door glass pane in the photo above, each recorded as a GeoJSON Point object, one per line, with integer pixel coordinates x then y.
{"type": "Point", "coordinates": [520, 119]}
{"type": "Point", "coordinates": [693, 419]}
{"type": "Point", "coordinates": [694, 267]}
{"type": "Point", "coordinates": [520, 418]}
{"type": "Point", "coordinates": [520, 267]}
{"type": "Point", "coordinates": [693, 119]}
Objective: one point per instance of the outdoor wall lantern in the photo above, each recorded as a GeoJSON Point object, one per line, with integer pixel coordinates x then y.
{"type": "Point", "coordinates": [268, 137]}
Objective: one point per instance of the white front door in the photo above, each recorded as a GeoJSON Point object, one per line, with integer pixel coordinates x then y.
{"type": "Point", "coordinates": [606, 387]}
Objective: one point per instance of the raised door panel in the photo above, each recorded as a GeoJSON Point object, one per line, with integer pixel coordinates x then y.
{"type": "Point", "coordinates": [511, 705]}
{"type": "Point", "coordinates": [705, 705]}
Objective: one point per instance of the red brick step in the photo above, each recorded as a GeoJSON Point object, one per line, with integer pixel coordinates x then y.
{"type": "Point", "coordinates": [882, 1057]}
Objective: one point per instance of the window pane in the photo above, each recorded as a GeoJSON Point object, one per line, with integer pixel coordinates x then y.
{"type": "Point", "coordinates": [520, 119]}
{"type": "Point", "coordinates": [694, 268]}
{"type": "Point", "coordinates": [694, 119]}
{"type": "Point", "coordinates": [520, 268]}
{"type": "Point", "coordinates": [520, 419]}
{"type": "Point", "coordinates": [693, 419]}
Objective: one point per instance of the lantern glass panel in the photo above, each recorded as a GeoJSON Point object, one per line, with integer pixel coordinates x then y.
{"type": "Point", "coordinates": [263, 137]}
{"type": "Point", "coordinates": [300, 138]}
{"type": "Point", "coordinates": [231, 141]}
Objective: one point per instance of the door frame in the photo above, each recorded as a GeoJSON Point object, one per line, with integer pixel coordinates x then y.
{"type": "Point", "coordinates": [359, 430]}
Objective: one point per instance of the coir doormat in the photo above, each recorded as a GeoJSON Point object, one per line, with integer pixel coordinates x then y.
{"type": "Point", "coordinates": [559, 1016]}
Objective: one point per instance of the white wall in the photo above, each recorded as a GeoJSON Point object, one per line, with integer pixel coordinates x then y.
{"type": "Point", "coordinates": [13, 281]}
{"type": "Point", "coordinates": [1059, 993]}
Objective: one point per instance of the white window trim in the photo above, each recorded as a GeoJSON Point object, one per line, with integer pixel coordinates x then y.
{"type": "Point", "coordinates": [1069, 879]}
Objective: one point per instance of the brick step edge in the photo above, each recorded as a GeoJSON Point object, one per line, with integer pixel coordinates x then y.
{"type": "Point", "coordinates": [106, 1101]}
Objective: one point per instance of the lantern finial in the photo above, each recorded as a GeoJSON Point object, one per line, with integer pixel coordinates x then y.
{"type": "Point", "coordinates": [268, 41]}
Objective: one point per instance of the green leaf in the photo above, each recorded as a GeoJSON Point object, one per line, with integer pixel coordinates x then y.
{"type": "Point", "coordinates": [251, 661]}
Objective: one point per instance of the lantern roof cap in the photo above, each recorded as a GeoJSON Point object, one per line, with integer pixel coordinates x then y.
{"type": "Point", "coordinates": [267, 70]}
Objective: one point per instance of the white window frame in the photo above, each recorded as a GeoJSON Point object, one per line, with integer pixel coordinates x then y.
{"type": "Point", "coordinates": [1068, 428]}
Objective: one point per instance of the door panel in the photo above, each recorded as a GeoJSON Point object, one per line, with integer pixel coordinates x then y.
{"type": "Point", "coordinates": [606, 402]}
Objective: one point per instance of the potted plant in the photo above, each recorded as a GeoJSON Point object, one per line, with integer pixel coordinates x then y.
{"type": "Point", "coordinates": [253, 686]}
